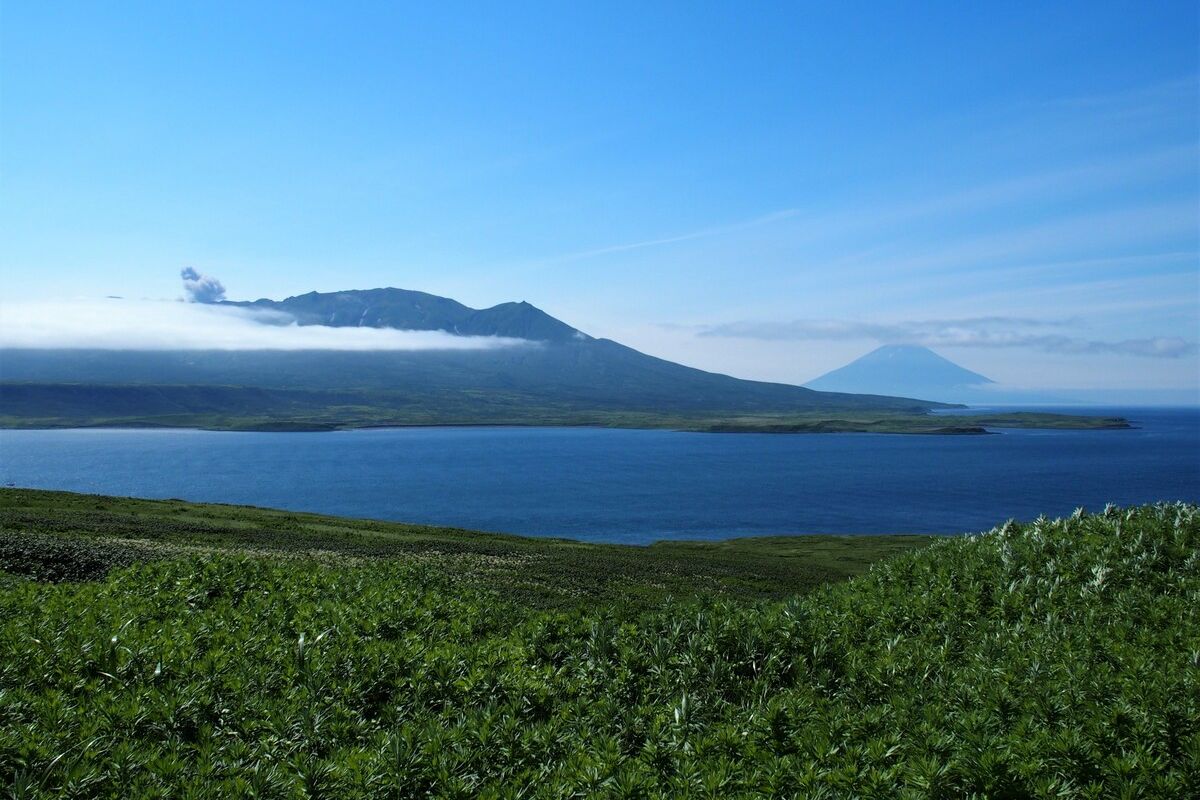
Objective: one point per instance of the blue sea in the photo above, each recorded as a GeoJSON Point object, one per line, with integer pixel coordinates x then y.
{"type": "Point", "coordinates": [634, 486]}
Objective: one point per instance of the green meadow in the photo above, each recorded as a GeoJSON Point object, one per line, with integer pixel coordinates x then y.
{"type": "Point", "coordinates": [173, 650]}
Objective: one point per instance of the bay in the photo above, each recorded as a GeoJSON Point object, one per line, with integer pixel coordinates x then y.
{"type": "Point", "coordinates": [633, 486]}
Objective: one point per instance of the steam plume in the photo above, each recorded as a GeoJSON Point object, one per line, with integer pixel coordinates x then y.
{"type": "Point", "coordinates": [201, 288]}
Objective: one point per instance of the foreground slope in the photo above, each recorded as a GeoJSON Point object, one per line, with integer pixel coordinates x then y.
{"type": "Point", "coordinates": [63, 536]}
{"type": "Point", "coordinates": [1055, 659]}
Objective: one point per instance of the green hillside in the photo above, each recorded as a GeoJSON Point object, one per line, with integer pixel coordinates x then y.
{"type": "Point", "coordinates": [226, 652]}
{"type": "Point", "coordinates": [63, 536]}
{"type": "Point", "coordinates": [595, 374]}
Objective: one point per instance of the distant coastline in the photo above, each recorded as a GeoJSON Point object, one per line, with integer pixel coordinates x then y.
{"type": "Point", "coordinates": [942, 424]}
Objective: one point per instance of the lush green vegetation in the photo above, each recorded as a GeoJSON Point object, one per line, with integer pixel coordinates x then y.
{"type": "Point", "coordinates": [56, 536]}
{"type": "Point", "coordinates": [1054, 659]}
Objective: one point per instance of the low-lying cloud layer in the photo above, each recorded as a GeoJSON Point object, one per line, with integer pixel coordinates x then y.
{"type": "Point", "coordinates": [969, 332]}
{"type": "Point", "coordinates": [115, 324]}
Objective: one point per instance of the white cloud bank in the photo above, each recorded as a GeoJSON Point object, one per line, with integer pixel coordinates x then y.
{"type": "Point", "coordinates": [117, 324]}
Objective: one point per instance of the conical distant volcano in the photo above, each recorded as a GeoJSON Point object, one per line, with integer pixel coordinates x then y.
{"type": "Point", "coordinates": [903, 370]}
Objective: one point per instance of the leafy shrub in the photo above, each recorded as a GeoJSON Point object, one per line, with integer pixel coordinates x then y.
{"type": "Point", "coordinates": [1055, 659]}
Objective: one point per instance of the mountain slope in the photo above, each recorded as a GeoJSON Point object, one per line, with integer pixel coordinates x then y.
{"type": "Point", "coordinates": [410, 310]}
{"type": "Point", "coordinates": [595, 374]}
{"type": "Point", "coordinates": [901, 370]}
{"type": "Point", "coordinates": [559, 367]}
{"type": "Point", "coordinates": [557, 375]}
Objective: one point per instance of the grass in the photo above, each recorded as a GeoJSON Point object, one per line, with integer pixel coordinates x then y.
{"type": "Point", "coordinates": [1054, 659]}
{"type": "Point", "coordinates": [65, 536]}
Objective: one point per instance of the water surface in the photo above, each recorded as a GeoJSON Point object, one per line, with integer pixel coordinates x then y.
{"type": "Point", "coordinates": [633, 486]}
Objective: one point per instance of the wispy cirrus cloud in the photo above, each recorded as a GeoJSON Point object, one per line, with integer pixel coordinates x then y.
{"type": "Point", "coordinates": [819, 222]}
{"type": "Point", "coordinates": [994, 332]}
{"type": "Point", "coordinates": [702, 233]}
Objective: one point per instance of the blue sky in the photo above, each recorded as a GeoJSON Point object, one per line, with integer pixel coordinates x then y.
{"type": "Point", "coordinates": [764, 190]}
